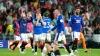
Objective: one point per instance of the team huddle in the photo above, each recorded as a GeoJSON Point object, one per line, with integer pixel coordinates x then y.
{"type": "Point", "coordinates": [38, 29]}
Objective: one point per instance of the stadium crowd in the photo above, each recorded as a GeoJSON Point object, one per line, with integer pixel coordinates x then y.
{"type": "Point", "coordinates": [90, 10]}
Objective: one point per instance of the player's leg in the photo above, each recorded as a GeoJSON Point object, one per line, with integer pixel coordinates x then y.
{"type": "Point", "coordinates": [36, 39]}
{"type": "Point", "coordinates": [24, 41]}
{"type": "Point", "coordinates": [65, 44]}
{"type": "Point", "coordinates": [75, 39]}
{"type": "Point", "coordinates": [47, 48]}
{"type": "Point", "coordinates": [15, 43]}
{"type": "Point", "coordinates": [48, 37]}
{"type": "Point", "coordinates": [42, 42]}
{"type": "Point", "coordinates": [30, 35]}
{"type": "Point", "coordinates": [83, 42]}
{"type": "Point", "coordinates": [17, 39]}
{"type": "Point", "coordinates": [56, 49]}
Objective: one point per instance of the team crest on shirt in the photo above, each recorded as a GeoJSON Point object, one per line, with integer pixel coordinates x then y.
{"type": "Point", "coordinates": [61, 20]}
{"type": "Point", "coordinates": [24, 24]}
{"type": "Point", "coordinates": [77, 21]}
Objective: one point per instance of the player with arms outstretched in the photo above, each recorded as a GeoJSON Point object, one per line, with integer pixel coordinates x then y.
{"type": "Point", "coordinates": [23, 30]}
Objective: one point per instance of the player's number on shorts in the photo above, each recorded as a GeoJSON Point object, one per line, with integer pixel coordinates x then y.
{"type": "Point", "coordinates": [52, 54]}
{"type": "Point", "coordinates": [47, 25]}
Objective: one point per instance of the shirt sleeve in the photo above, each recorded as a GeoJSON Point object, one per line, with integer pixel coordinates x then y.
{"type": "Point", "coordinates": [60, 20]}
{"type": "Point", "coordinates": [54, 28]}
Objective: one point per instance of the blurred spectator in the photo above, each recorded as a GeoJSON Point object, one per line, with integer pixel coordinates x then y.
{"type": "Point", "coordinates": [86, 22]}
{"type": "Point", "coordinates": [21, 9]}
{"type": "Point", "coordinates": [18, 4]}
{"type": "Point", "coordinates": [42, 2]}
{"type": "Point", "coordinates": [4, 26]}
{"type": "Point", "coordinates": [35, 3]}
{"type": "Point", "coordinates": [97, 19]}
{"type": "Point", "coordinates": [2, 7]}
{"type": "Point", "coordinates": [26, 6]}
{"type": "Point", "coordinates": [54, 2]}
{"type": "Point", "coordinates": [9, 17]}
{"type": "Point", "coordinates": [70, 8]}
{"type": "Point", "coordinates": [97, 30]}
{"type": "Point", "coordinates": [9, 3]}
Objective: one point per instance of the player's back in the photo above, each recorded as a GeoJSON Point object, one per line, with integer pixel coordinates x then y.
{"type": "Point", "coordinates": [47, 20]}
{"type": "Point", "coordinates": [75, 22]}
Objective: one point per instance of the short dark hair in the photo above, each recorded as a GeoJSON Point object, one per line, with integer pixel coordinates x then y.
{"type": "Point", "coordinates": [46, 14]}
{"type": "Point", "coordinates": [77, 8]}
{"type": "Point", "coordinates": [14, 14]}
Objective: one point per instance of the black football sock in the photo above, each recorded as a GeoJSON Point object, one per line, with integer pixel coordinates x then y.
{"type": "Point", "coordinates": [15, 45]}
{"type": "Point", "coordinates": [67, 47]}
{"type": "Point", "coordinates": [35, 48]}
{"type": "Point", "coordinates": [31, 43]}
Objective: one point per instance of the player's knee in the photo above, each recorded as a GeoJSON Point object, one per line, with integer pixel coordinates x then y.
{"type": "Point", "coordinates": [31, 39]}
{"type": "Point", "coordinates": [65, 44]}
{"type": "Point", "coordinates": [76, 40]}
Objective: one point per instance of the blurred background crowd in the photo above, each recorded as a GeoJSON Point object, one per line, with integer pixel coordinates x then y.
{"type": "Point", "coordinates": [90, 11]}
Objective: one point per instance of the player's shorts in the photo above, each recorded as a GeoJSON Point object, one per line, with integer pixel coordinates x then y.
{"type": "Point", "coordinates": [51, 53]}
{"type": "Point", "coordinates": [17, 38]}
{"type": "Point", "coordinates": [24, 37]}
{"type": "Point", "coordinates": [30, 35]}
{"type": "Point", "coordinates": [47, 36]}
{"type": "Point", "coordinates": [75, 35]}
{"type": "Point", "coordinates": [60, 37]}
{"type": "Point", "coordinates": [38, 37]}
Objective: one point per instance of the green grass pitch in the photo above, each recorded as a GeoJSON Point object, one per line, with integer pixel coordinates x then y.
{"type": "Point", "coordinates": [6, 52]}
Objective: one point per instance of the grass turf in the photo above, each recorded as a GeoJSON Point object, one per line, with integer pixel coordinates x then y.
{"type": "Point", "coordinates": [6, 52]}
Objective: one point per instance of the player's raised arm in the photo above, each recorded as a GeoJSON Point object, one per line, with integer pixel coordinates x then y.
{"type": "Point", "coordinates": [36, 21]}
{"type": "Point", "coordinates": [43, 23]}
